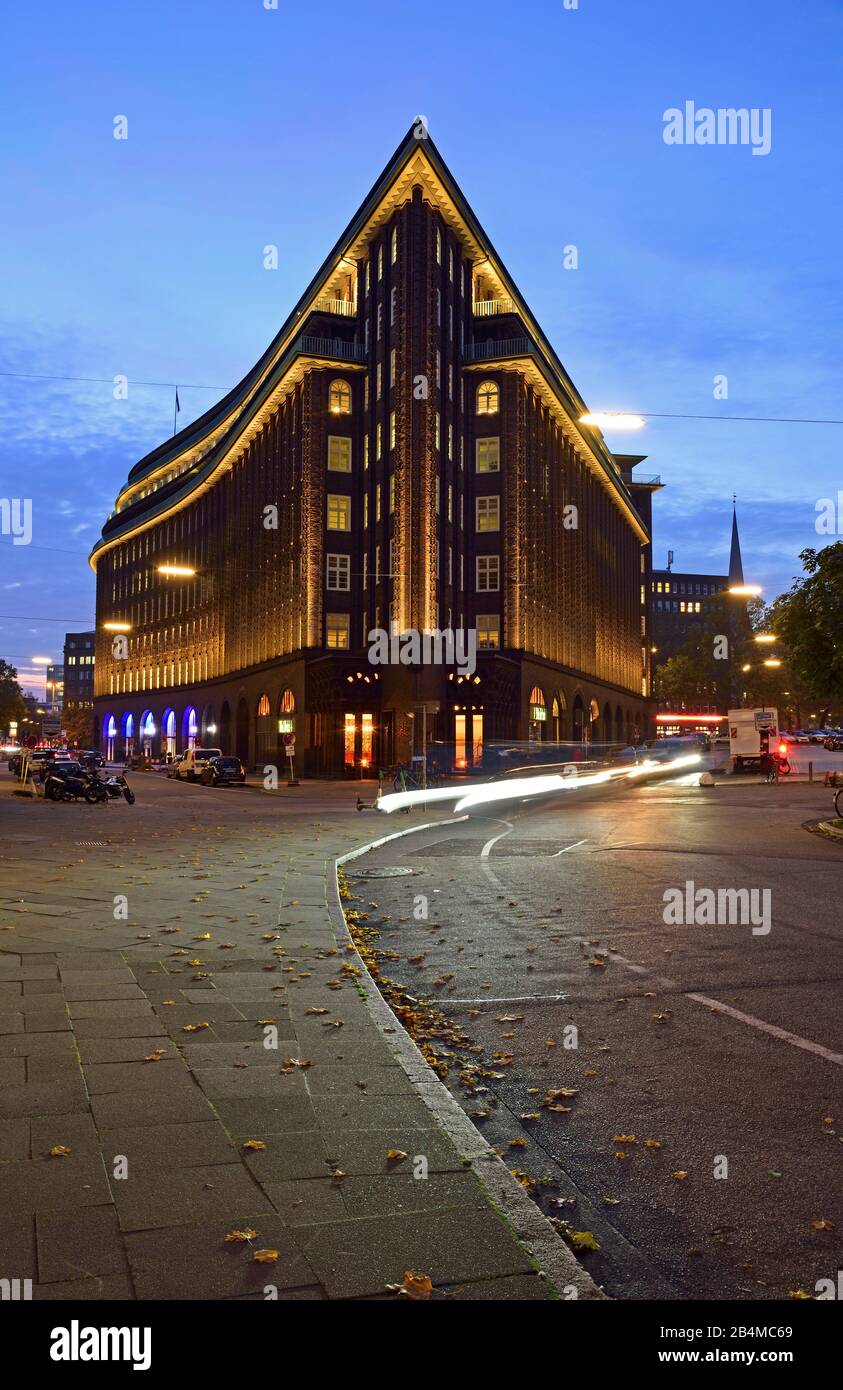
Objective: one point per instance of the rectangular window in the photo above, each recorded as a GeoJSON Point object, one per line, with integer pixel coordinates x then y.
{"type": "Point", "coordinates": [437, 430]}
{"type": "Point", "coordinates": [380, 322]}
{"type": "Point", "coordinates": [365, 510]}
{"type": "Point", "coordinates": [379, 379]}
{"type": "Point", "coordinates": [377, 564]}
{"type": "Point", "coordinates": [365, 573]}
{"type": "Point", "coordinates": [394, 245]}
{"type": "Point", "coordinates": [336, 630]}
{"type": "Point", "coordinates": [489, 455]}
{"type": "Point", "coordinates": [365, 451]}
{"type": "Point", "coordinates": [450, 441]}
{"type": "Point", "coordinates": [366, 392]}
{"type": "Point", "coordinates": [339, 511]}
{"type": "Point", "coordinates": [488, 513]}
{"type": "Point", "coordinates": [339, 453]}
{"type": "Point", "coordinates": [378, 441]}
{"type": "Point", "coordinates": [380, 262]}
{"type": "Point", "coordinates": [393, 300]}
{"type": "Point", "coordinates": [438, 247]}
{"type": "Point", "coordinates": [488, 631]}
{"type": "Point", "coordinates": [392, 429]}
{"type": "Point", "coordinates": [392, 368]}
{"type": "Point", "coordinates": [339, 572]}
{"type": "Point", "coordinates": [450, 501]}
{"type": "Point", "coordinates": [392, 492]}
{"type": "Point", "coordinates": [377, 501]}
{"type": "Point", "coordinates": [488, 574]}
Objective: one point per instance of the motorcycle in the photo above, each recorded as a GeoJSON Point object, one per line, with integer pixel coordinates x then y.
{"type": "Point", "coordinates": [109, 790]}
{"type": "Point", "coordinates": [65, 788]}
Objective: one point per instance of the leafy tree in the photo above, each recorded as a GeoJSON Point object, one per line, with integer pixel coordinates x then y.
{"type": "Point", "coordinates": [809, 620]}
{"type": "Point", "coordinates": [11, 696]}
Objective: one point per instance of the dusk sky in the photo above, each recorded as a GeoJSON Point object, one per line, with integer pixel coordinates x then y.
{"type": "Point", "coordinates": [250, 126]}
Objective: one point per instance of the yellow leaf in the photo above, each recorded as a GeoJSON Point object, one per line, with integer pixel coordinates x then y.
{"type": "Point", "coordinates": [59, 1151]}
{"type": "Point", "coordinates": [194, 1027]}
{"type": "Point", "coordinates": [582, 1240]}
{"type": "Point", "coordinates": [246, 1234]}
{"type": "Point", "coordinates": [265, 1257]}
{"type": "Point", "coordinates": [821, 1224]}
{"type": "Point", "coordinates": [416, 1285]}
{"type": "Point", "coordinates": [253, 1144]}
{"type": "Point", "coordinates": [681, 1175]}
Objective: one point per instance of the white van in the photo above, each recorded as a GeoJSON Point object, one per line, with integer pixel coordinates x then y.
{"type": "Point", "coordinates": [752, 735]}
{"type": "Point", "coordinates": [193, 762]}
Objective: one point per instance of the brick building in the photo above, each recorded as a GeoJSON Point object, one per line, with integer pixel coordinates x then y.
{"type": "Point", "coordinates": [407, 455]}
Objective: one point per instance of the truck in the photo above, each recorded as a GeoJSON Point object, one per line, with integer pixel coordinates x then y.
{"type": "Point", "coordinates": [753, 733]}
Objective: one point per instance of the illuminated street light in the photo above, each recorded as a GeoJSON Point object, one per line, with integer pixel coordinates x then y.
{"type": "Point", "coordinates": [185, 571]}
{"type": "Point", "coordinates": [42, 661]}
{"type": "Point", "coordinates": [745, 590]}
{"type": "Point", "coordinates": [772, 661]}
{"type": "Point", "coordinates": [117, 627]}
{"type": "Point", "coordinates": [612, 420]}
{"type": "Point", "coordinates": [764, 637]}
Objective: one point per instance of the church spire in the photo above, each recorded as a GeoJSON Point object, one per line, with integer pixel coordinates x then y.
{"type": "Point", "coordinates": [735, 562]}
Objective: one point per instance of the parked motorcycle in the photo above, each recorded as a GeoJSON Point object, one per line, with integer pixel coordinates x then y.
{"type": "Point", "coordinates": [66, 786]}
{"type": "Point", "coordinates": [109, 790]}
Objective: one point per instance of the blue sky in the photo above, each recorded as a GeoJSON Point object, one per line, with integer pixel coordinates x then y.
{"type": "Point", "coordinates": [250, 126]}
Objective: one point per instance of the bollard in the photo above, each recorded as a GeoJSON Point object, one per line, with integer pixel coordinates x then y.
{"type": "Point", "coordinates": [810, 771]}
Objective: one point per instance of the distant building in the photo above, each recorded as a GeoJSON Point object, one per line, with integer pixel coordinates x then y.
{"type": "Point", "coordinates": [79, 672]}
{"type": "Point", "coordinates": [684, 603]}
{"type": "Point", "coordinates": [55, 688]}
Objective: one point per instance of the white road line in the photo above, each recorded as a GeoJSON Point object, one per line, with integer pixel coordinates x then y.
{"type": "Point", "coordinates": [487, 850]}
{"type": "Point", "coordinates": [567, 847]}
{"type": "Point", "coordinates": [781, 1033]}
{"type": "Point", "coordinates": [510, 999]}
{"type": "Point", "coordinates": [771, 1029]}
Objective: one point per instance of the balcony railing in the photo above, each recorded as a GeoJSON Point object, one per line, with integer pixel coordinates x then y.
{"type": "Point", "coordinates": [507, 347]}
{"type": "Point", "coordinates": [484, 308]}
{"type": "Point", "coordinates": [346, 307]}
{"type": "Point", "coordinates": [331, 347]}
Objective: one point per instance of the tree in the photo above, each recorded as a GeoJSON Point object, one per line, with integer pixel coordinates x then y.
{"type": "Point", "coordinates": [78, 724]}
{"type": "Point", "coordinates": [809, 621]}
{"type": "Point", "coordinates": [12, 706]}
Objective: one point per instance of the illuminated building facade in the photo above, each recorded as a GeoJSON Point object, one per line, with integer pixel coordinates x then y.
{"type": "Point", "coordinates": [406, 456]}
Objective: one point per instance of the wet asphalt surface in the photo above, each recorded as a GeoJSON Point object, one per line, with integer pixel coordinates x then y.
{"type": "Point", "coordinates": [546, 929]}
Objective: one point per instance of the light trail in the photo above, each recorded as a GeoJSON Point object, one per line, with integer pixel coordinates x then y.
{"type": "Point", "coordinates": [521, 788]}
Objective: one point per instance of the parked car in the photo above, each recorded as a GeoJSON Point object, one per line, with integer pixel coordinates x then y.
{"type": "Point", "coordinates": [91, 758]}
{"type": "Point", "coordinates": [221, 772]}
{"type": "Point", "coordinates": [193, 762]}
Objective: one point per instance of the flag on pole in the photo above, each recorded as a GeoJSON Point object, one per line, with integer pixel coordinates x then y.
{"type": "Point", "coordinates": [176, 410]}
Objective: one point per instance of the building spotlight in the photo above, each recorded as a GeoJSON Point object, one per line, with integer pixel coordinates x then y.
{"type": "Point", "coordinates": [764, 637]}
{"type": "Point", "coordinates": [177, 571]}
{"type": "Point", "coordinates": [772, 661]}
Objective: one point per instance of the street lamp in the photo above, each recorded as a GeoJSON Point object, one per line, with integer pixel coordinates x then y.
{"type": "Point", "coordinates": [42, 661]}
{"type": "Point", "coordinates": [764, 637]}
{"type": "Point", "coordinates": [176, 571]}
{"type": "Point", "coordinates": [117, 627]}
{"type": "Point", "coordinates": [744, 590]}
{"type": "Point", "coordinates": [611, 420]}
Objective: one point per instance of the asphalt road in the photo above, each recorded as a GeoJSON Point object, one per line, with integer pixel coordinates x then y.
{"type": "Point", "coordinates": [551, 915]}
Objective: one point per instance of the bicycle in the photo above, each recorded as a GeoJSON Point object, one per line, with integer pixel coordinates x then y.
{"type": "Point", "coordinates": [405, 779]}
{"type": "Point", "coordinates": [838, 803]}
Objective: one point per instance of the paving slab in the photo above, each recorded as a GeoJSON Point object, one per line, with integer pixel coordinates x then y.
{"type": "Point", "coordinates": [79, 1245]}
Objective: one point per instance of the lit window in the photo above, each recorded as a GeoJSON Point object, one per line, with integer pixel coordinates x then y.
{"type": "Point", "coordinates": [488, 398]}
{"type": "Point", "coordinates": [365, 451]}
{"type": "Point", "coordinates": [339, 511]}
{"type": "Point", "coordinates": [393, 300]}
{"type": "Point", "coordinates": [488, 513]}
{"type": "Point", "coordinates": [392, 429]}
{"type": "Point", "coordinates": [339, 453]}
{"type": "Point", "coordinates": [339, 398]}
{"type": "Point", "coordinates": [378, 441]}
{"type": "Point", "coordinates": [393, 358]}
{"type": "Point", "coordinates": [488, 631]}
{"type": "Point", "coordinates": [379, 380]}
{"type": "Point", "coordinates": [438, 247]}
{"type": "Point", "coordinates": [450, 441]}
{"type": "Point", "coordinates": [488, 573]}
{"type": "Point", "coordinates": [392, 492]}
{"type": "Point", "coordinates": [336, 630]}
{"type": "Point", "coordinates": [488, 455]}
{"type": "Point", "coordinates": [380, 262]}
{"type": "Point", "coordinates": [377, 501]}
{"type": "Point", "coordinates": [450, 501]}
{"type": "Point", "coordinates": [437, 430]}
{"type": "Point", "coordinates": [365, 510]}
{"type": "Point", "coordinates": [394, 245]}
{"type": "Point", "coordinates": [339, 572]}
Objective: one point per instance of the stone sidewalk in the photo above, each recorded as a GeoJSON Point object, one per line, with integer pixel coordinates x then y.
{"type": "Point", "coordinates": [144, 1119]}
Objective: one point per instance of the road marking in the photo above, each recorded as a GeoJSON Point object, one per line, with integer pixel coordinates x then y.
{"type": "Point", "coordinates": [487, 850]}
{"type": "Point", "coordinates": [781, 1033]}
{"type": "Point", "coordinates": [511, 999]}
{"type": "Point", "coordinates": [567, 847]}
{"type": "Point", "coordinates": [772, 1029]}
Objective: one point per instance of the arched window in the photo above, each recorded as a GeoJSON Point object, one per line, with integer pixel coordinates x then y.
{"type": "Point", "coordinates": [287, 712]}
{"type": "Point", "coordinates": [488, 398]}
{"type": "Point", "coordinates": [537, 714]}
{"type": "Point", "coordinates": [339, 397]}
{"type": "Point", "coordinates": [288, 702]}
{"type": "Point", "coordinates": [263, 706]}
{"type": "Point", "coordinates": [264, 740]}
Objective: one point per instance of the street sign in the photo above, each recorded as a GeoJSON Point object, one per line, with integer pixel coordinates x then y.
{"type": "Point", "coordinates": [290, 742]}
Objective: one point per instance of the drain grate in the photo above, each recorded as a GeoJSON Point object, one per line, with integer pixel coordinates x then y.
{"type": "Point", "coordinates": [93, 844]}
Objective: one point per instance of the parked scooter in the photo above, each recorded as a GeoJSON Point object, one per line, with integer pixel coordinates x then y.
{"type": "Point", "coordinates": [109, 790]}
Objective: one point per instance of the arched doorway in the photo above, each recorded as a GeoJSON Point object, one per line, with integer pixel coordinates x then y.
{"type": "Point", "coordinates": [127, 730]}
{"type": "Point", "coordinates": [109, 737]}
{"type": "Point", "coordinates": [264, 738]}
{"type": "Point", "coordinates": [208, 727]}
{"type": "Point", "coordinates": [225, 727]}
{"type": "Point", "coordinates": [146, 733]}
{"type": "Point", "coordinates": [606, 726]}
{"type": "Point", "coordinates": [578, 719]}
{"type": "Point", "coordinates": [593, 730]}
{"type": "Point", "coordinates": [168, 733]}
{"type": "Point", "coordinates": [537, 715]}
{"type": "Point", "coordinates": [619, 724]}
{"type": "Point", "coordinates": [558, 715]}
{"type": "Point", "coordinates": [241, 732]}
{"type": "Point", "coordinates": [189, 728]}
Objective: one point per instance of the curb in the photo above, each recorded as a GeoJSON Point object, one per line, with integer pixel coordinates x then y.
{"type": "Point", "coordinates": [556, 1262]}
{"type": "Point", "coordinates": [825, 827]}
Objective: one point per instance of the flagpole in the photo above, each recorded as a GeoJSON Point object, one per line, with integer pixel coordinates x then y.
{"type": "Point", "coordinates": [175, 409]}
